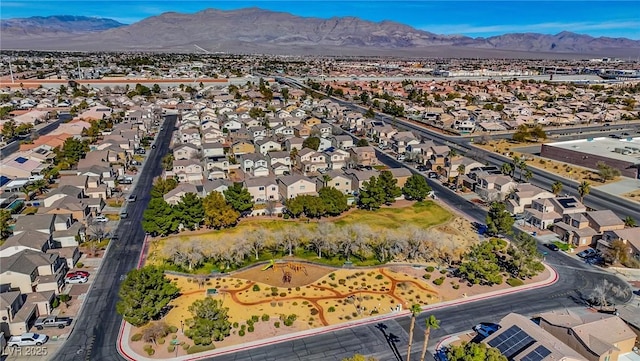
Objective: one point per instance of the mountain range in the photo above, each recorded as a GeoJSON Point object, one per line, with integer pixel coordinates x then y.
{"type": "Point", "coordinates": [254, 30]}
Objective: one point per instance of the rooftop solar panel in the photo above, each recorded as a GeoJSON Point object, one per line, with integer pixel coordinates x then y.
{"type": "Point", "coordinates": [512, 341]}
{"type": "Point", "coordinates": [538, 354]}
{"type": "Point", "coordinates": [21, 160]}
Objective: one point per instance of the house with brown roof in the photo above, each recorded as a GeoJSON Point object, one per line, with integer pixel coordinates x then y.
{"type": "Point", "coordinates": [33, 271]}
{"type": "Point", "coordinates": [546, 211]}
{"type": "Point", "coordinates": [291, 186]}
{"type": "Point", "coordinates": [629, 236]}
{"type": "Point", "coordinates": [364, 156]}
{"type": "Point", "coordinates": [596, 336]}
{"type": "Point", "coordinates": [523, 195]}
{"type": "Point", "coordinates": [242, 147]}
{"type": "Point", "coordinates": [604, 220]}
{"type": "Point", "coordinates": [185, 151]}
{"type": "Point", "coordinates": [338, 180]}
{"type": "Point", "coordinates": [520, 339]}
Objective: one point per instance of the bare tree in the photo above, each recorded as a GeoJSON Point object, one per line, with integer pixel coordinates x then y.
{"type": "Point", "coordinates": [256, 240]}
{"type": "Point", "coordinates": [606, 293]}
{"type": "Point", "coordinates": [322, 237]}
{"type": "Point", "coordinates": [184, 253]}
{"type": "Point", "coordinates": [289, 239]}
{"type": "Point", "coordinates": [270, 207]}
{"type": "Point", "coordinates": [96, 235]}
{"type": "Point", "coordinates": [354, 239]}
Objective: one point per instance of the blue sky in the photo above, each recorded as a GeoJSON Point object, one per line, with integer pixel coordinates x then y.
{"type": "Point", "coordinates": [471, 18]}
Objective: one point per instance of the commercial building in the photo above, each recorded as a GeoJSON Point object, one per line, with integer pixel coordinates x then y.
{"type": "Point", "coordinates": [622, 154]}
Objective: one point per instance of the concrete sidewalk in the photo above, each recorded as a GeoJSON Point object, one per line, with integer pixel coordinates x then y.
{"type": "Point", "coordinates": [125, 330]}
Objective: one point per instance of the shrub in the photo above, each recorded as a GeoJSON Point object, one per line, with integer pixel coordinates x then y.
{"type": "Point", "coordinates": [173, 337]}
{"type": "Point", "coordinates": [171, 348]}
{"type": "Point", "coordinates": [443, 271]}
{"type": "Point", "coordinates": [241, 333]}
{"type": "Point", "coordinates": [250, 323]}
{"type": "Point", "coordinates": [430, 269]}
{"type": "Point", "coordinates": [200, 348]}
{"type": "Point", "coordinates": [149, 350]}
{"type": "Point", "coordinates": [314, 311]}
{"type": "Point", "coordinates": [250, 329]}
{"type": "Point", "coordinates": [236, 325]}
{"type": "Point", "coordinates": [173, 329]}
{"type": "Point", "coordinates": [283, 294]}
{"type": "Point", "coordinates": [255, 318]}
{"type": "Point", "coordinates": [265, 317]}
{"type": "Point", "coordinates": [79, 265]}
{"type": "Point", "coordinates": [426, 276]}
{"type": "Point", "coordinates": [55, 303]}
{"type": "Point", "coordinates": [514, 282]}
{"type": "Point", "coordinates": [379, 277]}
{"type": "Point", "coordinates": [256, 288]}
{"type": "Point", "coordinates": [186, 346]}
{"type": "Point", "coordinates": [161, 341]}
{"type": "Point", "coordinates": [276, 324]}
{"type": "Point", "coordinates": [136, 337]}
{"type": "Point", "coordinates": [456, 286]}
{"type": "Point", "coordinates": [438, 281]}
{"type": "Point", "coordinates": [331, 309]}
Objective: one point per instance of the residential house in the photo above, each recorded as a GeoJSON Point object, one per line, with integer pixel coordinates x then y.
{"type": "Point", "coordinates": [33, 271]}
{"type": "Point", "coordinates": [293, 143]}
{"type": "Point", "coordinates": [400, 141]}
{"type": "Point", "coordinates": [520, 339]}
{"type": "Point", "coordinates": [337, 158]}
{"type": "Point", "coordinates": [322, 129]}
{"type": "Point", "coordinates": [281, 157]}
{"type": "Point", "coordinates": [628, 236]}
{"type": "Point", "coordinates": [452, 165]}
{"type": "Point", "coordinates": [523, 195]}
{"type": "Point", "coordinates": [401, 175]}
{"type": "Point", "coordinates": [338, 180]}
{"type": "Point", "coordinates": [262, 189]}
{"type": "Point", "coordinates": [494, 187]}
{"type": "Point", "coordinates": [310, 161]}
{"type": "Point", "coordinates": [213, 150]}
{"type": "Point", "coordinates": [188, 170]}
{"type": "Point", "coordinates": [546, 211]}
{"type": "Point", "coordinates": [185, 151]}
{"type": "Point", "coordinates": [596, 336]}
{"type": "Point", "coordinates": [302, 131]}
{"type": "Point", "coordinates": [242, 147]}
{"type": "Point", "coordinates": [363, 156]}
{"type": "Point", "coordinates": [29, 240]}
{"type": "Point", "coordinates": [77, 181]}
{"type": "Point", "coordinates": [344, 142]}
{"type": "Point", "coordinates": [267, 145]}
{"type": "Point", "coordinates": [291, 186]}
{"type": "Point", "coordinates": [358, 177]}
{"type": "Point", "coordinates": [18, 311]}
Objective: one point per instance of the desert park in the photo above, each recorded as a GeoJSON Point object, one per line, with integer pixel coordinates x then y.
{"type": "Point", "coordinates": [283, 289]}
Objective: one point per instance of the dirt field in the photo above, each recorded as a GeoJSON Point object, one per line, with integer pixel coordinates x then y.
{"type": "Point", "coordinates": [302, 274]}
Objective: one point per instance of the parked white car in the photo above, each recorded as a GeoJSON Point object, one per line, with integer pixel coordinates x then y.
{"type": "Point", "coordinates": [27, 339]}
{"type": "Point", "coordinates": [101, 219]}
{"type": "Point", "coordinates": [75, 279]}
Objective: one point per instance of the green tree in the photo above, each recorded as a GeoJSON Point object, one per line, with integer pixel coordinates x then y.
{"type": "Point", "coordinates": [471, 351]}
{"type": "Point", "coordinates": [583, 190]}
{"type": "Point", "coordinates": [143, 294]}
{"type": "Point", "coordinates": [521, 134]}
{"type": "Point", "coordinates": [431, 322]}
{"type": "Point", "coordinates": [24, 128]}
{"type": "Point", "coordinates": [163, 186]}
{"type": "Point", "coordinates": [5, 218]}
{"type": "Point", "coordinates": [160, 218]}
{"type": "Point", "coordinates": [362, 142]}
{"type": "Point", "coordinates": [416, 188]}
{"type": "Point", "coordinates": [239, 197]}
{"type": "Point", "coordinates": [156, 88]}
{"type": "Point", "coordinates": [415, 311]}
{"type": "Point", "coordinates": [524, 258]}
{"type": "Point", "coordinates": [72, 150]}
{"type": "Point", "coordinates": [311, 143]}
{"type": "Point", "coordinates": [167, 161]}
{"type": "Point", "coordinates": [372, 194]}
{"type": "Point", "coordinates": [556, 188]}
{"type": "Point", "coordinates": [370, 114]}
{"type": "Point", "coordinates": [538, 133]}
{"type": "Point", "coordinates": [629, 222]}
{"type": "Point", "coordinates": [218, 213]}
{"type": "Point", "coordinates": [607, 172]}
{"type": "Point", "coordinates": [335, 202]}
{"type": "Point", "coordinates": [390, 186]}
{"type": "Point", "coordinates": [499, 221]}
{"type": "Point", "coordinates": [189, 210]}
{"type": "Point", "coordinates": [9, 129]}
{"type": "Point", "coordinates": [480, 264]}
{"type": "Point", "coordinates": [210, 321]}
{"type": "Point", "coordinates": [506, 168]}
{"type": "Point", "coordinates": [295, 206]}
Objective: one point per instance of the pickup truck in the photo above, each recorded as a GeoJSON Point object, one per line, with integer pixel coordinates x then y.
{"type": "Point", "coordinates": [52, 321]}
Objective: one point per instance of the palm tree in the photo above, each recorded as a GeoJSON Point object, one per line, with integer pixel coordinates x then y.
{"type": "Point", "coordinates": [415, 311]}
{"type": "Point", "coordinates": [583, 190]}
{"type": "Point", "coordinates": [629, 222]}
{"type": "Point", "coordinates": [41, 186]}
{"type": "Point", "coordinates": [506, 168]}
{"type": "Point", "coordinates": [326, 179]}
{"type": "Point", "coordinates": [430, 322]}
{"type": "Point", "coordinates": [528, 174]}
{"type": "Point", "coordinates": [461, 169]}
{"type": "Point", "coordinates": [556, 187]}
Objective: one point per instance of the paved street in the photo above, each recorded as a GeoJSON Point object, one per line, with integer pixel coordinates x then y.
{"type": "Point", "coordinates": [96, 330]}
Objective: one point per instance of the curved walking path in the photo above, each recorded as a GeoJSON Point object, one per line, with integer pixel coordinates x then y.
{"type": "Point", "coordinates": [125, 330]}
{"type": "Point", "coordinates": [316, 300]}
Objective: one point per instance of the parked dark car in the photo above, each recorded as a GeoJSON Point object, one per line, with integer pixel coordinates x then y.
{"type": "Point", "coordinates": [551, 246]}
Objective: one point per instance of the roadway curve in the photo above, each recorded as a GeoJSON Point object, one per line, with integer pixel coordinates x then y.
{"type": "Point", "coordinates": [96, 329]}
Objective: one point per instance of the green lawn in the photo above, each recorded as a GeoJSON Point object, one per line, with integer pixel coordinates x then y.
{"type": "Point", "coordinates": [423, 214]}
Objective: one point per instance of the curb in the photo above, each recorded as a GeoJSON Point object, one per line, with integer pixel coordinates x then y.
{"type": "Point", "coordinates": [125, 328]}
